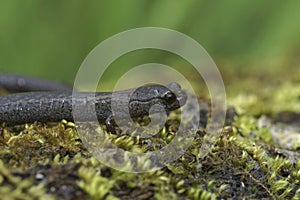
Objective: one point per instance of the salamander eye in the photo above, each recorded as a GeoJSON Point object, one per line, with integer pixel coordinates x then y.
{"type": "Point", "coordinates": [169, 96]}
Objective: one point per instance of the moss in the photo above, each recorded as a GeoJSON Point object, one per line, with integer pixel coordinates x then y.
{"type": "Point", "coordinates": [94, 184]}
{"type": "Point", "coordinates": [14, 187]}
{"type": "Point", "coordinates": [236, 166]}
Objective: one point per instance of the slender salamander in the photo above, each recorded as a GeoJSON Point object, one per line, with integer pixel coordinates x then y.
{"type": "Point", "coordinates": [52, 102]}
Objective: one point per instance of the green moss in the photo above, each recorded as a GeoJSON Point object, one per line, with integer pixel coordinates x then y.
{"type": "Point", "coordinates": [236, 159]}
{"type": "Point", "coordinates": [94, 184]}
{"type": "Point", "coordinates": [14, 187]}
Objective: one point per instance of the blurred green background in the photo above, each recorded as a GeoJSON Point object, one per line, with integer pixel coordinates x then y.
{"type": "Point", "coordinates": [52, 38]}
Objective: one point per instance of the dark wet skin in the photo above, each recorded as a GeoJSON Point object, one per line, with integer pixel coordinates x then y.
{"type": "Point", "coordinates": [20, 83]}
{"type": "Point", "coordinates": [54, 102]}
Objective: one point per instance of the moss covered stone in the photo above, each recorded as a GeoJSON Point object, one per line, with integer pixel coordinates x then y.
{"type": "Point", "coordinates": [49, 161]}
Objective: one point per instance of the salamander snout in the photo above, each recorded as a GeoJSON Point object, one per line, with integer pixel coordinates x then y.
{"type": "Point", "coordinates": [170, 96]}
{"type": "Point", "coordinates": [175, 97]}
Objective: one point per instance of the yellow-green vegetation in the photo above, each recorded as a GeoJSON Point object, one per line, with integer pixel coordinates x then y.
{"type": "Point", "coordinates": [49, 161]}
{"type": "Point", "coordinates": [14, 187]}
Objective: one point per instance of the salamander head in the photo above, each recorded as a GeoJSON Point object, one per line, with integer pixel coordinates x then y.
{"type": "Point", "coordinates": [171, 97]}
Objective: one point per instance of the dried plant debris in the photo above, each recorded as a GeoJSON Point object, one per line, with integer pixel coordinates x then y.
{"type": "Point", "coordinates": [246, 161]}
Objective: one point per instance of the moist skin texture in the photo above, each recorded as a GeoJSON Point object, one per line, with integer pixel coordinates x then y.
{"type": "Point", "coordinates": [53, 106]}
{"type": "Point", "coordinates": [20, 83]}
